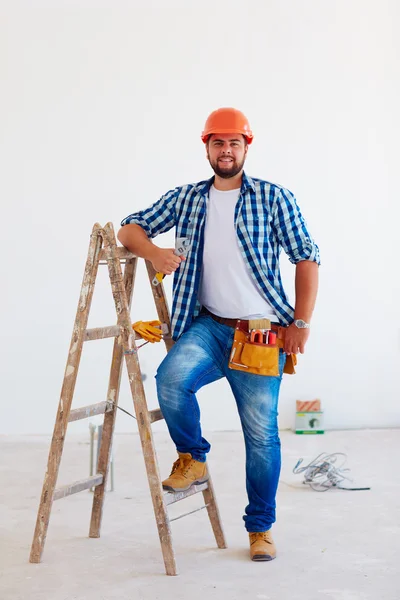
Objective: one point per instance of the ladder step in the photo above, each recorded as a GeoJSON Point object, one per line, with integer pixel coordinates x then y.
{"type": "Point", "coordinates": [101, 333]}
{"type": "Point", "coordinates": [171, 497]}
{"type": "Point", "coordinates": [155, 415]}
{"type": "Point", "coordinates": [120, 252]}
{"type": "Point", "coordinates": [88, 411]}
{"type": "Point", "coordinates": [78, 486]}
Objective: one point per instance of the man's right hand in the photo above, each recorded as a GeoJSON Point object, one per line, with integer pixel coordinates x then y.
{"type": "Point", "coordinates": [164, 260]}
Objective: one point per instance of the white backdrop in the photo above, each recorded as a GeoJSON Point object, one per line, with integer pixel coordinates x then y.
{"type": "Point", "coordinates": [102, 105]}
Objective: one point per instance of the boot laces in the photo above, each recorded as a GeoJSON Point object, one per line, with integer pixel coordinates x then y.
{"type": "Point", "coordinates": [180, 464]}
{"type": "Point", "coordinates": [188, 467]}
{"type": "Point", "coordinates": [260, 535]}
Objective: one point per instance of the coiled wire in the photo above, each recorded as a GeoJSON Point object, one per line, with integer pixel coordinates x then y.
{"type": "Point", "coordinates": [324, 473]}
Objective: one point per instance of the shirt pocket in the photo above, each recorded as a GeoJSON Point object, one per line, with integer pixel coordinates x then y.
{"type": "Point", "coordinates": [259, 227]}
{"type": "Point", "coordinates": [184, 228]}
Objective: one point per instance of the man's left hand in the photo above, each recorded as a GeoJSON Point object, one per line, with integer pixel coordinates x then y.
{"type": "Point", "coordinates": [295, 339]}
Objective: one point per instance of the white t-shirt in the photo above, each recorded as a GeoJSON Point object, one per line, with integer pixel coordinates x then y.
{"type": "Point", "coordinates": [227, 288]}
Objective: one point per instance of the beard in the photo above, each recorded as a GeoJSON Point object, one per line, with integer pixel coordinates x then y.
{"type": "Point", "coordinates": [226, 170]}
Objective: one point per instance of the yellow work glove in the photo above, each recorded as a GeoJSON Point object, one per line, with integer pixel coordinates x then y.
{"type": "Point", "coordinates": [148, 330]}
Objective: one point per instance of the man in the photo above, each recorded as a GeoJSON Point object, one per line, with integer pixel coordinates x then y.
{"type": "Point", "coordinates": [236, 226]}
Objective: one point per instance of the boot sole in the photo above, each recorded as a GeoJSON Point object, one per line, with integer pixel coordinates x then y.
{"type": "Point", "coordinates": [169, 488]}
{"type": "Point", "coordinates": [262, 557]}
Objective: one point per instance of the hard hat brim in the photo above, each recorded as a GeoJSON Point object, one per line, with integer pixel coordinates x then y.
{"type": "Point", "coordinates": [206, 135]}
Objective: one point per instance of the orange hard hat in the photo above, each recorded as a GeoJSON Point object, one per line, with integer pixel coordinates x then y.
{"type": "Point", "coordinates": [227, 120]}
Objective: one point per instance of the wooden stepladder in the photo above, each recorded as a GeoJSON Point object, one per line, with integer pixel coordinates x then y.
{"type": "Point", "coordinates": [104, 250]}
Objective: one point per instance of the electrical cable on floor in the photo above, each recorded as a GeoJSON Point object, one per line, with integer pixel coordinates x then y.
{"type": "Point", "coordinates": [322, 473]}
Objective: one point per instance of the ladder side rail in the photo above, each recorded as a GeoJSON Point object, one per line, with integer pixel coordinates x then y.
{"type": "Point", "coordinates": [208, 489]}
{"type": "Point", "coordinates": [213, 514]}
{"type": "Point", "coordinates": [67, 391]}
{"type": "Point", "coordinates": [161, 303]}
{"type": "Point", "coordinates": [112, 393]}
{"type": "Point", "coordinates": [141, 410]}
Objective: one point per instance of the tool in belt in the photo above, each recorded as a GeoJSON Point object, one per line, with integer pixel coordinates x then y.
{"type": "Point", "coordinates": [256, 346]}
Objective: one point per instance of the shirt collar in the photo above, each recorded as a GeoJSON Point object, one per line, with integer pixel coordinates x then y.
{"type": "Point", "coordinates": [204, 187]}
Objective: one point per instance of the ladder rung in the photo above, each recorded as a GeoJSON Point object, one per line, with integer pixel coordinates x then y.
{"type": "Point", "coordinates": [171, 497]}
{"type": "Point", "coordinates": [120, 252]}
{"type": "Point", "coordinates": [100, 333]}
{"type": "Point", "coordinates": [78, 486]}
{"type": "Point", "coordinates": [88, 411]}
{"type": "Point", "coordinates": [155, 415]}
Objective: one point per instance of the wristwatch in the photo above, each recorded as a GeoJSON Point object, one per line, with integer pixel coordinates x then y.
{"type": "Point", "coordinates": [300, 324]}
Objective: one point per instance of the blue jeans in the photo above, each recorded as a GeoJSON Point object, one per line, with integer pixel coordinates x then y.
{"type": "Point", "coordinates": [200, 356]}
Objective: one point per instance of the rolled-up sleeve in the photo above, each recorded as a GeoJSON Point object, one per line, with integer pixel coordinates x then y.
{"type": "Point", "coordinates": [292, 230]}
{"type": "Point", "coordinates": [157, 218]}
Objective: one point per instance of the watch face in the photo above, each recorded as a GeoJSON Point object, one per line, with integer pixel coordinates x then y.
{"type": "Point", "coordinates": [300, 323]}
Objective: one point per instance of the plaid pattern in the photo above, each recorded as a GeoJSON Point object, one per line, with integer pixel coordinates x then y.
{"type": "Point", "coordinates": [267, 219]}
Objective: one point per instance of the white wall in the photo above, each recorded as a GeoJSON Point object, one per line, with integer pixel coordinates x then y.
{"type": "Point", "coordinates": [102, 105]}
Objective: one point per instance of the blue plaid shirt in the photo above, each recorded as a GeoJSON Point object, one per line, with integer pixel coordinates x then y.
{"type": "Point", "coordinates": [267, 219]}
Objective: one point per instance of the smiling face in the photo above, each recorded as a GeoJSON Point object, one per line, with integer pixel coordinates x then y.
{"type": "Point", "coordinates": [226, 153]}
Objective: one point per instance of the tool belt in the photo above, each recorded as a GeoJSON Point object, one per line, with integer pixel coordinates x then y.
{"type": "Point", "coordinates": [253, 356]}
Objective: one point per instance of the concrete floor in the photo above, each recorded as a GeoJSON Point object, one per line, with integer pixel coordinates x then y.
{"type": "Point", "coordinates": [337, 545]}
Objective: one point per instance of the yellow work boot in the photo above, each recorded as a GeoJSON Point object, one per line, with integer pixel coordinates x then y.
{"type": "Point", "coordinates": [186, 471]}
{"type": "Point", "coordinates": [262, 546]}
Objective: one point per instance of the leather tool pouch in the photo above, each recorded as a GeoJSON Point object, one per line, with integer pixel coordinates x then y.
{"type": "Point", "coordinates": [258, 358]}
